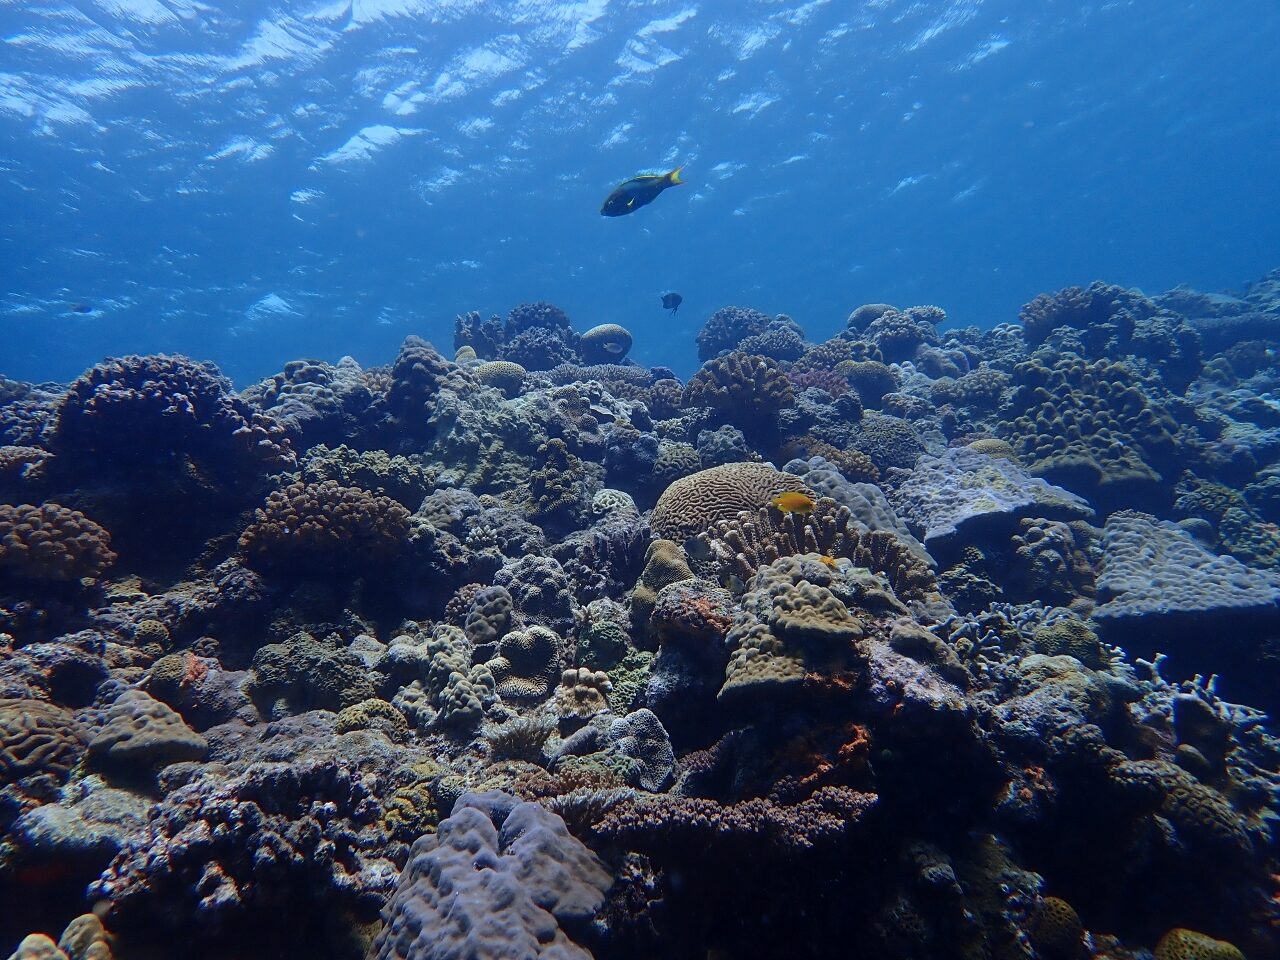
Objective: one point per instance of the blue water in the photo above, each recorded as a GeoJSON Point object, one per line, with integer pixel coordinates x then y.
{"type": "Point", "coordinates": [253, 182]}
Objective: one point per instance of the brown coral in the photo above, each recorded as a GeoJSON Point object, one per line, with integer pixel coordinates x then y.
{"type": "Point", "coordinates": [38, 739]}
{"type": "Point", "coordinates": [690, 505]}
{"type": "Point", "coordinates": [52, 542]}
{"type": "Point", "coordinates": [325, 527]}
{"type": "Point", "coordinates": [742, 386]}
{"type": "Point", "coordinates": [753, 539]}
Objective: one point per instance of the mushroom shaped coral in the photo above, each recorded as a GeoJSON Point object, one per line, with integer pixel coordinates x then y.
{"type": "Point", "coordinates": [505, 375]}
{"type": "Point", "coordinates": [1181, 944]}
{"type": "Point", "coordinates": [606, 343]}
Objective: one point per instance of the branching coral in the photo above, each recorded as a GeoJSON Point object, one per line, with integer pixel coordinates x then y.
{"type": "Point", "coordinates": [752, 540]}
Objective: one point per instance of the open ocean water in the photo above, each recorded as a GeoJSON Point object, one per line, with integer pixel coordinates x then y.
{"type": "Point", "coordinates": [550, 480]}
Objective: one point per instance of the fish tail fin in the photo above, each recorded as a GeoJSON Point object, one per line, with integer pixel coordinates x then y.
{"type": "Point", "coordinates": [674, 176]}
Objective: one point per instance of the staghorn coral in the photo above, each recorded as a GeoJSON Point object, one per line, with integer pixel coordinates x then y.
{"type": "Point", "coordinates": [690, 505]}
{"type": "Point", "coordinates": [752, 540]}
{"type": "Point", "coordinates": [325, 527]}
{"type": "Point", "coordinates": [52, 542]}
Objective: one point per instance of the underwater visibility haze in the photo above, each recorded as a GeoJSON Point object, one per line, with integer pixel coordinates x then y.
{"type": "Point", "coordinates": [616, 479]}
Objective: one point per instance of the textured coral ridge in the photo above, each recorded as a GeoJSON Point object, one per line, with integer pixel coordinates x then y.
{"type": "Point", "coordinates": [510, 652]}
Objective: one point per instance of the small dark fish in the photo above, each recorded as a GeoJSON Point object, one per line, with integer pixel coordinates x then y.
{"type": "Point", "coordinates": [638, 191]}
{"type": "Point", "coordinates": [672, 301]}
{"type": "Point", "coordinates": [82, 308]}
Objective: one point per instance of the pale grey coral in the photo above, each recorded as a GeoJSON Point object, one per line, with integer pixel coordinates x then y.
{"type": "Point", "coordinates": [139, 733]}
{"type": "Point", "coordinates": [965, 496]}
{"type": "Point", "coordinates": [496, 879]}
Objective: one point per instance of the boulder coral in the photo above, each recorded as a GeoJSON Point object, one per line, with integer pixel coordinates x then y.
{"type": "Point", "coordinates": [52, 542]}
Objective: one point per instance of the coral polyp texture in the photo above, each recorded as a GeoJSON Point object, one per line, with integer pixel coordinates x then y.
{"type": "Point", "coordinates": [51, 542]}
{"type": "Point", "coordinates": [913, 642]}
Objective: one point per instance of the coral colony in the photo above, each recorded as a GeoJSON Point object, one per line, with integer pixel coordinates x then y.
{"type": "Point", "coordinates": [515, 654]}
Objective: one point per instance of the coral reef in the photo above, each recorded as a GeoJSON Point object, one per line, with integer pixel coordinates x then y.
{"type": "Point", "coordinates": [522, 653]}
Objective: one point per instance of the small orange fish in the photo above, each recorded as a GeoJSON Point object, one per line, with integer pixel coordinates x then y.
{"type": "Point", "coordinates": [830, 562]}
{"type": "Point", "coordinates": [792, 502]}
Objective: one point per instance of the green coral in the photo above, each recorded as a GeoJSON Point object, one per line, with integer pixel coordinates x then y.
{"type": "Point", "coordinates": [373, 714]}
{"type": "Point", "coordinates": [1073, 638]}
{"type": "Point", "coordinates": [306, 673]}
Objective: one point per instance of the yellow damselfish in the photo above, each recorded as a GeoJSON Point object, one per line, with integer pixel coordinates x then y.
{"type": "Point", "coordinates": [792, 502]}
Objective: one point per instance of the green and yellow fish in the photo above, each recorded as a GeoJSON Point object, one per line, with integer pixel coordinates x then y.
{"type": "Point", "coordinates": [639, 191]}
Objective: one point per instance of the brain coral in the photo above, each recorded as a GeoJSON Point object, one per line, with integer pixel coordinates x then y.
{"type": "Point", "coordinates": [52, 542]}
{"type": "Point", "coordinates": [527, 665]}
{"type": "Point", "coordinates": [38, 739]}
{"type": "Point", "coordinates": [727, 327]}
{"type": "Point", "coordinates": [606, 343]}
{"type": "Point", "coordinates": [496, 879]}
{"type": "Point", "coordinates": [690, 505]}
{"type": "Point", "coordinates": [324, 527]}
{"type": "Point", "coordinates": [1089, 427]}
